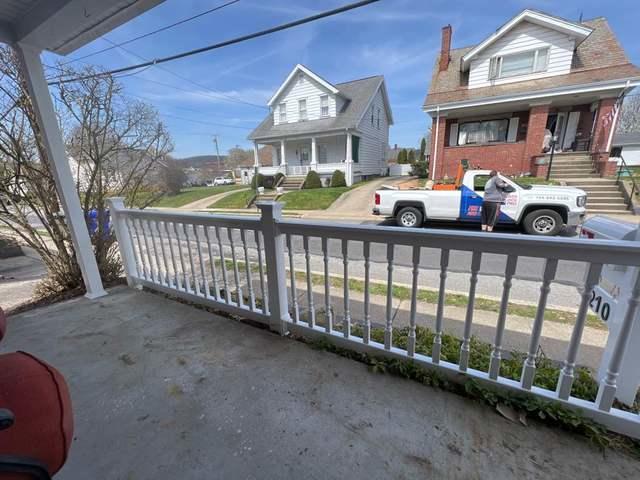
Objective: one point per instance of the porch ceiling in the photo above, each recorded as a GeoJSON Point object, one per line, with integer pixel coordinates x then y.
{"type": "Point", "coordinates": [62, 26]}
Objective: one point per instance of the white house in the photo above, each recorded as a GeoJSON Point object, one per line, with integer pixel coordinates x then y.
{"type": "Point", "coordinates": [315, 125]}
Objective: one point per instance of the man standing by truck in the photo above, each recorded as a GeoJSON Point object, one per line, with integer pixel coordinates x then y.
{"type": "Point", "coordinates": [495, 192]}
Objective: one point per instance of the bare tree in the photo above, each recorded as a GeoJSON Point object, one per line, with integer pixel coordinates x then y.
{"type": "Point", "coordinates": [114, 147]}
{"type": "Point", "coordinates": [630, 115]}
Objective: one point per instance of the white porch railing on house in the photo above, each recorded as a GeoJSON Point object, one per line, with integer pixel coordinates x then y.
{"type": "Point", "coordinates": [240, 265]}
{"type": "Point", "coordinates": [298, 170]}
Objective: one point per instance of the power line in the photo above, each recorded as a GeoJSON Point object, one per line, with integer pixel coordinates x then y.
{"type": "Point", "coordinates": [226, 43]}
{"type": "Point", "coordinates": [148, 34]}
{"type": "Point", "coordinates": [181, 77]}
{"type": "Point", "coordinates": [207, 123]}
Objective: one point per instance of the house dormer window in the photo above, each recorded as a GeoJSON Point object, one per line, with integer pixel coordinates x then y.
{"type": "Point", "coordinates": [300, 78]}
{"type": "Point", "coordinates": [324, 105]}
{"type": "Point", "coordinates": [522, 63]}
{"type": "Point", "coordinates": [282, 112]}
{"type": "Point", "coordinates": [378, 119]}
{"type": "Point", "coordinates": [302, 109]}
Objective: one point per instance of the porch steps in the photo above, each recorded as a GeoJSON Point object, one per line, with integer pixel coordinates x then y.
{"type": "Point", "coordinates": [603, 194]}
{"type": "Point", "coordinates": [292, 183]}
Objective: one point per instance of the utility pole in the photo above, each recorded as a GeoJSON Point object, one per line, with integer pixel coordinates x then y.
{"type": "Point", "coordinates": [215, 140]}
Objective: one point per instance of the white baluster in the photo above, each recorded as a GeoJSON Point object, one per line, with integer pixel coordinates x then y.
{"type": "Point", "coordinates": [346, 327]}
{"type": "Point", "coordinates": [476, 259]}
{"type": "Point", "coordinates": [167, 273]}
{"type": "Point", "coordinates": [136, 254]}
{"type": "Point", "coordinates": [205, 281]}
{"type": "Point", "coordinates": [160, 270]}
{"type": "Point", "coordinates": [366, 328]}
{"type": "Point", "coordinates": [411, 341]}
{"type": "Point", "coordinates": [292, 275]}
{"type": "Point", "coordinates": [194, 274]}
{"type": "Point", "coordinates": [236, 274]}
{"type": "Point", "coordinates": [145, 271]}
{"type": "Point", "coordinates": [247, 267]}
{"type": "Point", "coordinates": [437, 339]}
{"type": "Point", "coordinates": [307, 257]}
{"type": "Point", "coordinates": [148, 251]}
{"type": "Point", "coordinates": [496, 352]}
{"type": "Point", "coordinates": [187, 283]}
{"type": "Point", "coordinates": [327, 286]}
{"type": "Point", "coordinates": [529, 368]}
{"type": "Point", "coordinates": [566, 375]}
{"type": "Point", "coordinates": [223, 262]}
{"type": "Point", "coordinates": [608, 385]}
{"type": "Point", "coordinates": [176, 276]}
{"type": "Point", "coordinates": [388, 327]}
{"type": "Point", "coordinates": [263, 291]}
{"type": "Point", "coordinates": [212, 265]}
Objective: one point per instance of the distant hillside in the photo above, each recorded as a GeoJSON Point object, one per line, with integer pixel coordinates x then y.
{"type": "Point", "coordinates": [202, 160]}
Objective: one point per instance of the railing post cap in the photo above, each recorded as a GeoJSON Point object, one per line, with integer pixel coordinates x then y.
{"type": "Point", "coordinates": [116, 202]}
{"type": "Point", "coordinates": [270, 206]}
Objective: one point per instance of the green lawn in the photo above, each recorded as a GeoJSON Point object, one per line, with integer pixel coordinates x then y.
{"type": "Point", "coordinates": [312, 199]}
{"type": "Point", "coordinates": [234, 200]}
{"type": "Point", "coordinates": [188, 195]}
{"type": "Point", "coordinates": [534, 181]}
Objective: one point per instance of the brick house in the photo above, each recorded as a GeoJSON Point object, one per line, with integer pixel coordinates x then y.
{"type": "Point", "coordinates": [498, 103]}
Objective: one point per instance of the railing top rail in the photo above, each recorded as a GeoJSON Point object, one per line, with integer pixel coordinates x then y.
{"type": "Point", "coordinates": [594, 251]}
{"type": "Point", "coordinates": [205, 219]}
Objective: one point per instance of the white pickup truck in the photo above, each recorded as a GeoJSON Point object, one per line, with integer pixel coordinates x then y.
{"type": "Point", "coordinates": [539, 209]}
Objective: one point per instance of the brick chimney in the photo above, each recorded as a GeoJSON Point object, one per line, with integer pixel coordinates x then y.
{"type": "Point", "coordinates": [445, 49]}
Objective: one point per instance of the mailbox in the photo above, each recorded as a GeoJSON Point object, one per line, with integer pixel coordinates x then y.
{"type": "Point", "coordinates": [609, 300]}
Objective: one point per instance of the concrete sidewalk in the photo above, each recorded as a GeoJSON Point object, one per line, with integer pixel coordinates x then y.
{"type": "Point", "coordinates": [164, 390]}
{"type": "Point", "coordinates": [19, 277]}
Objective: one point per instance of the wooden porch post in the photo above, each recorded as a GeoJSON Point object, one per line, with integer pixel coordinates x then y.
{"type": "Point", "coordinates": [31, 69]}
{"type": "Point", "coordinates": [348, 173]}
{"type": "Point", "coordinates": [314, 158]}
{"type": "Point", "coordinates": [256, 155]}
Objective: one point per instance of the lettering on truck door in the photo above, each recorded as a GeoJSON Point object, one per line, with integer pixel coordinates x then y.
{"type": "Point", "coordinates": [472, 197]}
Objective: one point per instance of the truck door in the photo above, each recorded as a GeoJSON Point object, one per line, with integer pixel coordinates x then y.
{"type": "Point", "coordinates": [473, 195]}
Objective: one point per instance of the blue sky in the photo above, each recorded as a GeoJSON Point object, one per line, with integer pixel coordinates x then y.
{"type": "Point", "coordinates": [396, 38]}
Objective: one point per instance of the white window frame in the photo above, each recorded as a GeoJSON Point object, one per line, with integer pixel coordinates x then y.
{"type": "Point", "coordinates": [300, 78]}
{"type": "Point", "coordinates": [495, 63]}
{"type": "Point", "coordinates": [282, 112]}
{"type": "Point", "coordinates": [324, 109]}
{"type": "Point", "coordinates": [372, 115]}
{"type": "Point", "coordinates": [378, 119]}
{"type": "Point", "coordinates": [302, 112]}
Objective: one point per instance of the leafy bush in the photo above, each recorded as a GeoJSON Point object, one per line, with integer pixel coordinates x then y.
{"type": "Point", "coordinates": [420, 169]}
{"type": "Point", "coordinates": [411, 157]}
{"type": "Point", "coordinates": [257, 181]}
{"type": "Point", "coordinates": [337, 179]}
{"type": "Point", "coordinates": [402, 156]}
{"type": "Point", "coordinates": [312, 180]}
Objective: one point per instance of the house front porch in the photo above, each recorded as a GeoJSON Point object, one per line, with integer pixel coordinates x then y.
{"type": "Point", "coordinates": [298, 156]}
{"type": "Point", "coordinates": [164, 390]}
{"type": "Point", "coordinates": [515, 137]}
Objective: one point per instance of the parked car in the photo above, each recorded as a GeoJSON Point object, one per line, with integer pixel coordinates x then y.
{"type": "Point", "coordinates": [221, 181]}
{"type": "Point", "coordinates": [539, 209]}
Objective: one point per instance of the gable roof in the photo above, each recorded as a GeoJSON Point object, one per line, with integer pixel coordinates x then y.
{"type": "Point", "coordinates": [599, 58]}
{"type": "Point", "coordinates": [358, 94]}
{"type": "Point", "coordinates": [580, 31]}
{"type": "Point", "coordinates": [301, 68]}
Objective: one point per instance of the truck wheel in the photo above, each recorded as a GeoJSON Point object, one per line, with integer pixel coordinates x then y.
{"type": "Point", "coordinates": [543, 222]}
{"type": "Point", "coordinates": [409, 217]}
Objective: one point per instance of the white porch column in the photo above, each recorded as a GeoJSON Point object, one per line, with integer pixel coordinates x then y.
{"type": "Point", "coordinates": [31, 68]}
{"type": "Point", "coordinates": [314, 157]}
{"type": "Point", "coordinates": [348, 173]}
{"type": "Point", "coordinates": [283, 158]}
{"type": "Point", "coordinates": [256, 156]}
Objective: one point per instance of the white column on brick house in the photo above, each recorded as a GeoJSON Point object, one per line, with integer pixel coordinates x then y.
{"type": "Point", "coordinates": [314, 157]}
{"type": "Point", "coordinates": [349, 161]}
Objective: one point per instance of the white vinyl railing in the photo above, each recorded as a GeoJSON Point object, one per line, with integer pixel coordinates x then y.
{"type": "Point", "coordinates": [298, 170]}
{"type": "Point", "coordinates": [248, 266]}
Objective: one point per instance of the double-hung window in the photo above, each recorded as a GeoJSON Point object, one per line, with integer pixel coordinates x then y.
{"type": "Point", "coordinates": [522, 63]}
{"type": "Point", "coordinates": [483, 132]}
{"type": "Point", "coordinates": [282, 111]}
{"type": "Point", "coordinates": [302, 109]}
{"type": "Point", "coordinates": [324, 105]}
{"type": "Point", "coordinates": [378, 119]}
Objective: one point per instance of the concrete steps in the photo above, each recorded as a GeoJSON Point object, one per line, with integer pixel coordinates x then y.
{"type": "Point", "coordinates": [292, 183]}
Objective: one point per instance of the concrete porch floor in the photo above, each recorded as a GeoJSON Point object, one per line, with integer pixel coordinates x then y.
{"type": "Point", "coordinates": [164, 390]}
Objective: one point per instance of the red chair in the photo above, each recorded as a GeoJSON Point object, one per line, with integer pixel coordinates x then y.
{"type": "Point", "coordinates": [36, 420]}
